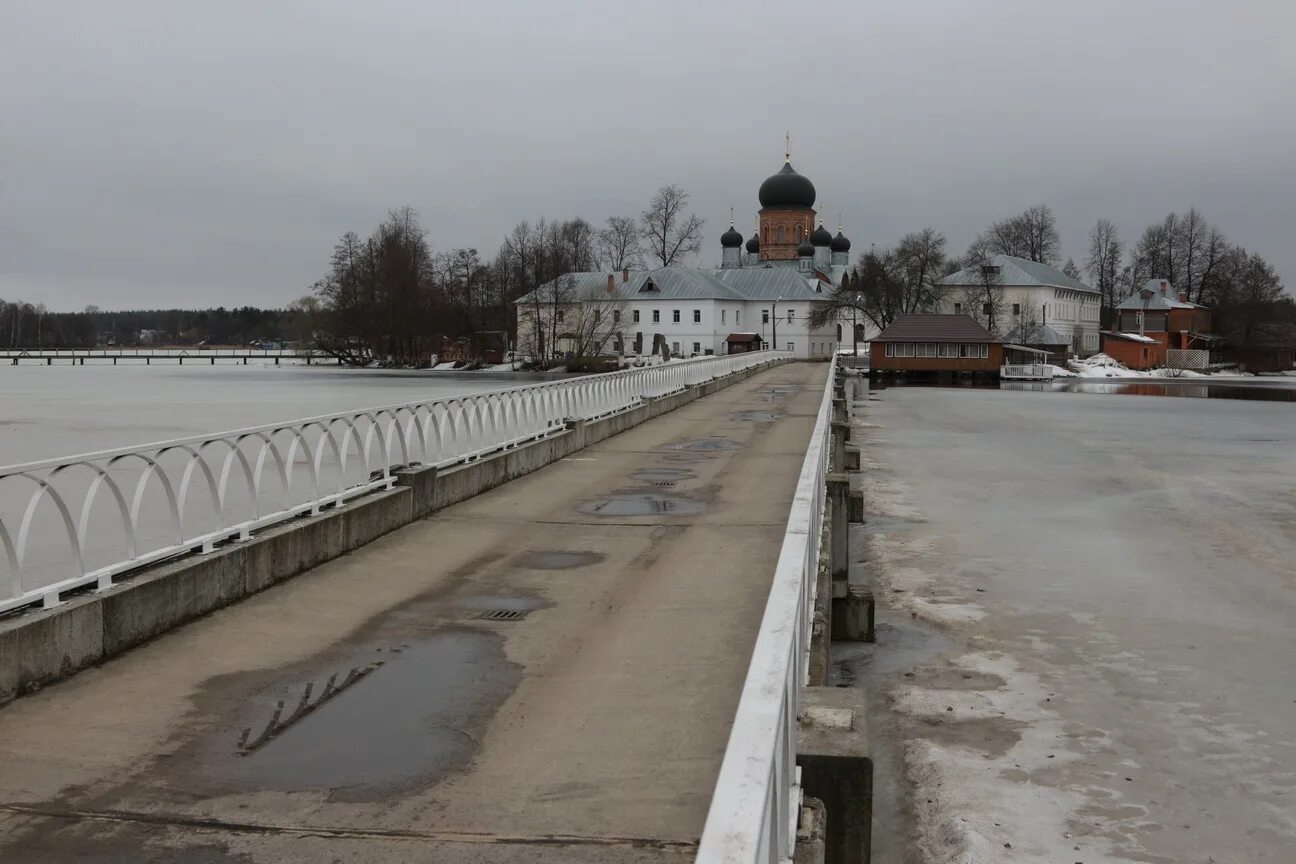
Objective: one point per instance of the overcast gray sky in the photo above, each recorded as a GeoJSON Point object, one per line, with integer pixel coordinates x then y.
{"type": "Point", "coordinates": [200, 154]}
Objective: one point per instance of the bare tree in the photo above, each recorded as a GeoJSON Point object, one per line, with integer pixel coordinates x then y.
{"type": "Point", "coordinates": [1031, 234]}
{"type": "Point", "coordinates": [592, 326]}
{"type": "Point", "coordinates": [1191, 238]}
{"type": "Point", "coordinates": [888, 282]}
{"type": "Point", "coordinates": [1104, 262]}
{"type": "Point", "coordinates": [618, 244]}
{"type": "Point", "coordinates": [985, 300]}
{"type": "Point", "coordinates": [1214, 252]}
{"type": "Point", "coordinates": [671, 234]}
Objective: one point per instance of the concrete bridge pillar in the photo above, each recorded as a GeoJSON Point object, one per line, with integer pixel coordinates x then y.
{"type": "Point", "coordinates": [839, 547]}
{"type": "Point", "coordinates": [839, 434]}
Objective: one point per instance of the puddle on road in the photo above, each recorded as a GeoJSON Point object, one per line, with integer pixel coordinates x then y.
{"type": "Point", "coordinates": [409, 723]}
{"type": "Point", "coordinates": [558, 560]}
{"type": "Point", "coordinates": [707, 445]}
{"type": "Point", "coordinates": [776, 394]}
{"type": "Point", "coordinates": [642, 504]}
{"type": "Point", "coordinates": [662, 475]}
{"type": "Point", "coordinates": [756, 416]}
{"type": "Point", "coordinates": [686, 458]}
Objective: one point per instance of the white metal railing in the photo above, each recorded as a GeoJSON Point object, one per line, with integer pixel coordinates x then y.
{"type": "Point", "coordinates": [172, 497]}
{"type": "Point", "coordinates": [1026, 370]}
{"type": "Point", "coordinates": [145, 351]}
{"type": "Point", "coordinates": [753, 814]}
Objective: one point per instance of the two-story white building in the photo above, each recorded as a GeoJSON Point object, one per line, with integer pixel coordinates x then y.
{"type": "Point", "coordinates": [1023, 295]}
{"type": "Point", "coordinates": [688, 311]}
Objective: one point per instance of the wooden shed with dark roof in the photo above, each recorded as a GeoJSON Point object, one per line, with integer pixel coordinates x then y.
{"type": "Point", "coordinates": [935, 343]}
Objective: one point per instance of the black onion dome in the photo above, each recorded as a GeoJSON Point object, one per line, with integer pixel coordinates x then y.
{"type": "Point", "coordinates": [753, 244]}
{"type": "Point", "coordinates": [806, 249]}
{"type": "Point", "coordinates": [731, 239]}
{"type": "Point", "coordinates": [821, 237]}
{"type": "Point", "coordinates": [787, 188]}
{"type": "Point", "coordinates": [840, 243]}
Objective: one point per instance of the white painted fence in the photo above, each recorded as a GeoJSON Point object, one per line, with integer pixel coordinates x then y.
{"type": "Point", "coordinates": [77, 521]}
{"type": "Point", "coordinates": [757, 798]}
{"type": "Point", "coordinates": [1026, 371]}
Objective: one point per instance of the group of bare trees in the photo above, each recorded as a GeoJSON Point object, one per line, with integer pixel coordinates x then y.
{"type": "Point", "coordinates": [1199, 261]}
{"type": "Point", "coordinates": [391, 299]}
{"type": "Point", "coordinates": [888, 282]}
{"type": "Point", "coordinates": [1031, 234]}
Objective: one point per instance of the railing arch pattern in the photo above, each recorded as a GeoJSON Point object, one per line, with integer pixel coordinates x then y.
{"type": "Point", "coordinates": [185, 495]}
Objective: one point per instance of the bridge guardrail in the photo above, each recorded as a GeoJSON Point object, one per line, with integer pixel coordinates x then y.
{"type": "Point", "coordinates": [94, 516]}
{"type": "Point", "coordinates": [754, 810]}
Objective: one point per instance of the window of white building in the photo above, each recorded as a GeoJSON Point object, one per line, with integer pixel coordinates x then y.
{"type": "Point", "coordinates": [697, 316]}
{"type": "Point", "coordinates": [675, 315]}
{"type": "Point", "coordinates": [656, 316]}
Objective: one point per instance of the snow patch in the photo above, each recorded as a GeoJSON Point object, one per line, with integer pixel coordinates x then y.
{"type": "Point", "coordinates": [986, 807]}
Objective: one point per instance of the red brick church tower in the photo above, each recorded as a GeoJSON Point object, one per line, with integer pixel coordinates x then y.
{"type": "Point", "coordinates": [787, 213]}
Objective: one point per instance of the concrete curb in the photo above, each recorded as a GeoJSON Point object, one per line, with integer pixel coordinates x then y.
{"type": "Point", "coordinates": [41, 647]}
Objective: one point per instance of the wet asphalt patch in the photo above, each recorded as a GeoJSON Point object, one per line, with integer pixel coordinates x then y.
{"type": "Point", "coordinates": [642, 504]}
{"type": "Point", "coordinates": [558, 560]}
{"type": "Point", "coordinates": [712, 444]}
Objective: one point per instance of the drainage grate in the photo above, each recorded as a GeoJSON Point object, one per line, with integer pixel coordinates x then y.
{"type": "Point", "coordinates": [664, 483]}
{"type": "Point", "coordinates": [503, 614]}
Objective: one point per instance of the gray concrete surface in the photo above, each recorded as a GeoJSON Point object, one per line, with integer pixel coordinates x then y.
{"type": "Point", "coordinates": [1085, 631]}
{"type": "Point", "coordinates": [590, 729]}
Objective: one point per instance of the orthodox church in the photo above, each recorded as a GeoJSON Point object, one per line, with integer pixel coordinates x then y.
{"type": "Point", "coordinates": [786, 233]}
{"type": "Point", "coordinates": [762, 295]}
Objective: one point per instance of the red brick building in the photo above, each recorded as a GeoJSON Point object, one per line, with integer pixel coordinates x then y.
{"type": "Point", "coordinates": [1152, 322]}
{"type": "Point", "coordinates": [935, 343]}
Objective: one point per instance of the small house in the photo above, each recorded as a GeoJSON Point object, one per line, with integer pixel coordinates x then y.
{"type": "Point", "coordinates": [935, 343]}
{"type": "Point", "coordinates": [1134, 350]}
{"type": "Point", "coordinates": [1156, 327]}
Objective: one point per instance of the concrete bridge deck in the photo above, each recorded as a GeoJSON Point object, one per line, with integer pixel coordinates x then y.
{"type": "Point", "coordinates": [591, 728]}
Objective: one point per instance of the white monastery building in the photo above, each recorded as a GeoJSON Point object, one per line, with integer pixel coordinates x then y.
{"type": "Point", "coordinates": [1035, 298]}
{"type": "Point", "coordinates": [760, 296]}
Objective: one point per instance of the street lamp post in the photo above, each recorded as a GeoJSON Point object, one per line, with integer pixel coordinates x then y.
{"type": "Point", "coordinates": [774, 323]}
{"type": "Point", "coordinates": [855, 326]}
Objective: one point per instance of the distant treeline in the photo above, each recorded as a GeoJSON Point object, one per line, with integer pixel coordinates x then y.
{"type": "Point", "coordinates": [24, 325]}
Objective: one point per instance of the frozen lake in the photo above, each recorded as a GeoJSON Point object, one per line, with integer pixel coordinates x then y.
{"type": "Point", "coordinates": [1110, 588]}
{"type": "Point", "coordinates": [50, 411]}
